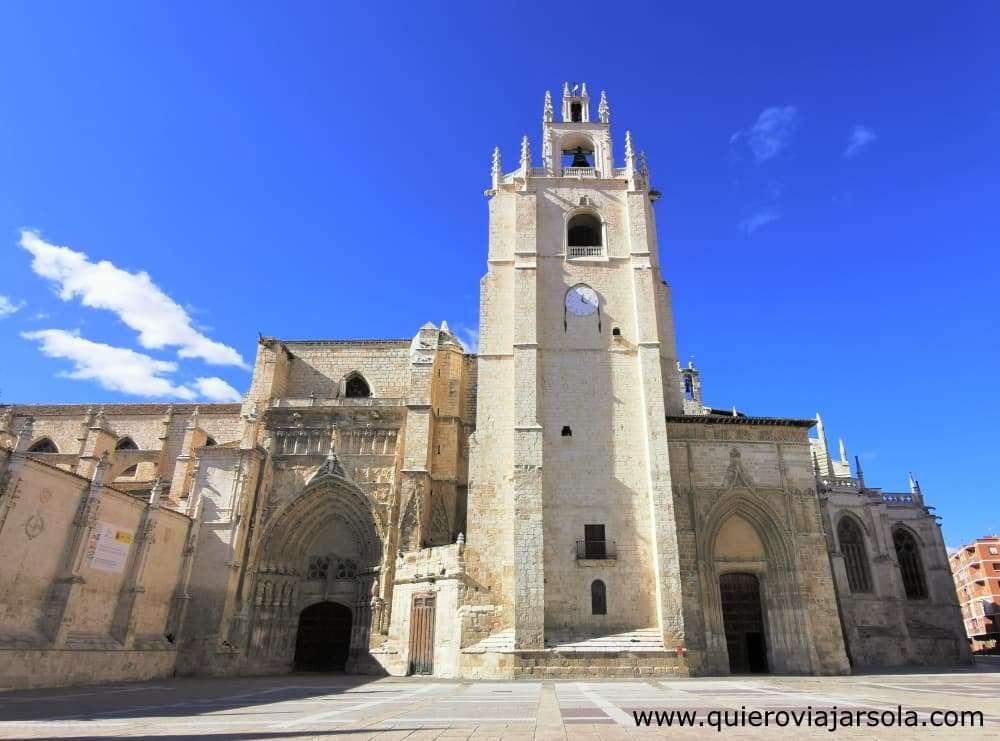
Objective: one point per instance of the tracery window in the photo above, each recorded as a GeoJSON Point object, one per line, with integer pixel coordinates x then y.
{"type": "Point", "coordinates": [319, 567]}
{"type": "Point", "coordinates": [910, 566]}
{"type": "Point", "coordinates": [356, 387]}
{"type": "Point", "coordinates": [598, 598]}
{"type": "Point", "coordinates": [44, 446]}
{"type": "Point", "coordinates": [346, 568]}
{"type": "Point", "coordinates": [852, 546]}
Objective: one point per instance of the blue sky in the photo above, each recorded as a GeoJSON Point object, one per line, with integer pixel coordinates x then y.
{"type": "Point", "coordinates": [315, 170]}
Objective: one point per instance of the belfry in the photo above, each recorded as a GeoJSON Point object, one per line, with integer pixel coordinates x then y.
{"type": "Point", "coordinates": [560, 503]}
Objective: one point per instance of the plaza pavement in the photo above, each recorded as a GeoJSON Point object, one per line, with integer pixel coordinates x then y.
{"type": "Point", "coordinates": [337, 706]}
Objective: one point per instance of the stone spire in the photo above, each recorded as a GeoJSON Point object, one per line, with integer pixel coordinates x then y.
{"type": "Point", "coordinates": [914, 486]}
{"type": "Point", "coordinates": [629, 152]}
{"type": "Point", "coordinates": [603, 111]}
{"type": "Point", "coordinates": [861, 474]}
{"type": "Point", "coordinates": [100, 471]}
{"type": "Point", "coordinates": [843, 450]}
{"type": "Point", "coordinates": [525, 153]}
{"type": "Point", "coordinates": [565, 89]}
{"type": "Point", "coordinates": [24, 435]}
{"type": "Point", "coordinates": [547, 109]}
{"type": "Point", "coordinates": [495, 169]}
{"type": "Point", "coordinates": [156, 493]}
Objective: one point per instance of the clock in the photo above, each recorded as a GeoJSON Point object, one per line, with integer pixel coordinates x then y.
{"type": "Point", "coordinates": [582, 300]}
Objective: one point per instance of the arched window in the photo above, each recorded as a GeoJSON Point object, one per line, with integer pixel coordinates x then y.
{"type": "Point", "coordinates": [852, 545]}
{"type": "Point", "coordinates": [598, 598]}
{"type": "Point", "coordinates": [584, 230]}
{"type": "Point", "coordinates": [908, 556]}
{"type": "Point", "coordinates": [356, 387]}
{"type": "Point", "coordinates": [209, 441]}
{"type": "Point", "coordinates": [44, 446]}
{"type": "Point", "coordinates": [126, 443]}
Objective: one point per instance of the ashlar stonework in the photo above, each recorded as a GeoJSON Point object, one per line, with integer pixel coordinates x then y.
{"type": "Point", "coordinates": [560, 504]}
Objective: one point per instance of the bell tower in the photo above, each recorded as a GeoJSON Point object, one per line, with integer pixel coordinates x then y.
{"type": "Point", "coordinates": [577, 370]}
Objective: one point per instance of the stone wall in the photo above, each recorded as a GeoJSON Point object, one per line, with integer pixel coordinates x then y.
{"type": "Point", "coordinates": [881, 625]}
{"type": "Point", "coordinates": [88, 575]}
{"type": "Point", "coordinates": [753, 476]}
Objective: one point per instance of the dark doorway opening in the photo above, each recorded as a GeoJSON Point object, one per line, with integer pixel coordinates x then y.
{"type": "Point", "coordinates": [744, 623]}
{"type": "Point", "coordinates": [324, 638]}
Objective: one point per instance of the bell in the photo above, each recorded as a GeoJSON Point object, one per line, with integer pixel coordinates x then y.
{"type": "Point", "coordinates": [579, 158]}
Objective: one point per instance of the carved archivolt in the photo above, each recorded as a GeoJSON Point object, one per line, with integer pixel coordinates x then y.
{"type": "Point", "coordinates": [293, 528]}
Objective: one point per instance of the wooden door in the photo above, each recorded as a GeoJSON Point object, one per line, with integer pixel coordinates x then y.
{"type": "Point", "coordinates": [422, 634]}
{"type": "Point", "coordinates": [744, 623]}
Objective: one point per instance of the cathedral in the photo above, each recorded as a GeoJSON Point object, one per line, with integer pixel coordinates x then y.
{"type": "Point", "coordinates": [560, 504]}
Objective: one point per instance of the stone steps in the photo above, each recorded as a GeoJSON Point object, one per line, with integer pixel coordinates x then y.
{"type": "Point", "coordinates": [649, 639]}
{"type": "Point", "coordinates": [579, 664]}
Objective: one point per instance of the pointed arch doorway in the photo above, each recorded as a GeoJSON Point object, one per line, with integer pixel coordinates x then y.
{"type": "Point", "coordinates": [743, 620]}
{"type": "Point", "coordinates": [323, 641]}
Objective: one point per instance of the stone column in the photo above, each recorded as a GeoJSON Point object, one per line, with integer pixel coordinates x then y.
{"type": "Point", "coordinates": [66, 586]}
{"type": "Point", "coordinates": [194, 437]}
{"type": "Point", "coordinates": [529, 587]}
{"type": "Point", "coordinates": [656, 351]}
{"type": "Point", "coordinates": [123, 622]}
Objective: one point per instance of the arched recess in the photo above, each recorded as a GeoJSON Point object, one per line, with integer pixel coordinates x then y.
{"type": "Point", "coordinates": [44, 445]}
{"type": "Point", "coordinates": [126, 443]}
{"type": "Point", "coordinates": [281, 585]}
{"type": "Point", "coordinates": [570, 142]}
{"type": "Point", "coordinates": [354, 386]}
{"type": "Point", "coordinates": [766, 551]}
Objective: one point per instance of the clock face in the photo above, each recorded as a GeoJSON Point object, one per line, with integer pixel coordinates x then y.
{"type": "Point", "coordinates": [582, 300]}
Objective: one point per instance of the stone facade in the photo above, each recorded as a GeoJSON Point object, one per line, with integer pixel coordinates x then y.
{"type": "Point", "coordinates": [898, 605]}
{"type": "Point", "coordinates": [559, 504]}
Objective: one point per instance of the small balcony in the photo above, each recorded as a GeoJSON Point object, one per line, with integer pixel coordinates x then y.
{"type": "Point", "coordinates": [586, 251]}
{"type": "Point", "coordinates": [596, 550]}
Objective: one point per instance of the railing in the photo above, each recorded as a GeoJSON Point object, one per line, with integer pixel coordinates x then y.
{"type": "Point", "coordinates": [897, 498]}
{"type": "Point", "coordinates": [836, 483]}
{"type": "Point", "coordinates": [586, 251]}
{"type": "Point", "coordinates": [364, 401]}
{"type": "Point", "coordinates": [580, 172]}
{"type": "Point", "coordinates": [596, 550]}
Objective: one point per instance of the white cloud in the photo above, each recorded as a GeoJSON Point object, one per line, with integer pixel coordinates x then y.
{"type": "Point", "coordinates": [859, 140]}
{"type": "Point", "coordinates": [468, 336]}
{"type": "Point", "coordinates": [114, 368]}
{"type": "Point", "coordinates": [8, 307]}
{"type": "Point", "coordinates": [770, 133]}
{"type": "Point", "coordinates": [752, 223]}
{"type": "Point", "coordinates": [134, 297]}
{"type": "Point", "coordinates": [215, 389]}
